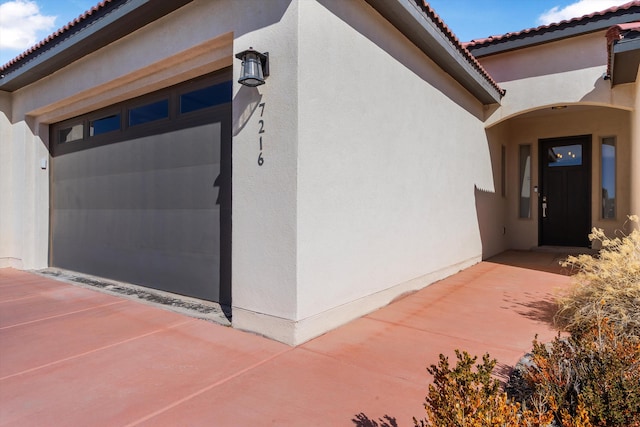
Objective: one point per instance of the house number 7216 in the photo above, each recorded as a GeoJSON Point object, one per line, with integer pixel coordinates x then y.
{"type": "Point", "coordinates": [260, 132]}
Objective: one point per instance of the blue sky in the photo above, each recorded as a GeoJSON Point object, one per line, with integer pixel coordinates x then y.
{"type": "Point", "coordinates": [23, 23]}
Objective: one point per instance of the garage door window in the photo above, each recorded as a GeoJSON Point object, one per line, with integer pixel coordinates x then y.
{"type": "Point", "coordinates": [71, 133]}
{"type": "Point", "coordinates": [149, 113]}
{"type": "Point", "coordinates": [104, 125]}
{"type": "Point", "coordinates": [209, 96]}
{"type": "Point", "coordinates": [182, 105]}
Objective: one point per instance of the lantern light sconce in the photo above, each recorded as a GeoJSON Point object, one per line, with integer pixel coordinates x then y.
{"type": "Point", "coordinates": [255, 67]}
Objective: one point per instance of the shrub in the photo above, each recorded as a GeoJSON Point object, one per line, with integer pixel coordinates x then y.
{"type": "Point", "coordinates": [596, 373]}
{"type": "Point", "coordinates": [591, 378]}
{"type": "Point", "coordinates": [606, 287]}
{"type": "Point", "coordinates": [461, 397]}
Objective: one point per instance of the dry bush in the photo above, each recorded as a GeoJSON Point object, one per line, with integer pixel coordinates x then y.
{"type": "Point", "coordinates": [597, 369]}
{"type": "Point", "coordinates": [464, 397]}
{"type": "Point", "coordinates": [606, 287]}
{"type": "Point", "coordinates": [591, 378]}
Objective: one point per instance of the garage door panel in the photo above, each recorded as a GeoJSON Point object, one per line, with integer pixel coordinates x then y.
{"type": "Point", "coordinates": [162, 189]}
{"type": "Point", "coordinates": [180, 232]}
{"type": "Point", "coordinates": [179, 273]}
{"type": "Point", "coordinates": [146, 210]}
{"type": "Point", "coordinates": [176, 149]}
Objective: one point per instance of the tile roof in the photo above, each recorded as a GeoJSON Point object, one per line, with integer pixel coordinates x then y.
{"type": "Point", "coordinates": [426, 8]}
{"type": "Point", "coordinates": [629, 26]}
{"type": "Point", "coordinates": [550, 27]}
{"type": "Point", "coordinates": [66, 30]}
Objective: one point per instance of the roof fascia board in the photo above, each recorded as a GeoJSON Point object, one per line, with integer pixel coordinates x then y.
{"type": "Point", "coordinates": [425, 34]}
{"type": "Point", "coordinates": [625, 59]}
{"type": "Point", "coordinates": [626, 45]}
{"type": "Point", "coordinates": [529, 40]}
{"type": "Point", "coordinates": [115, 24]}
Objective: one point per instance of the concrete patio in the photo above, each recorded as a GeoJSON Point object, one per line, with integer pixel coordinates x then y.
{"type": "Point", "coordinates": [71, 356]}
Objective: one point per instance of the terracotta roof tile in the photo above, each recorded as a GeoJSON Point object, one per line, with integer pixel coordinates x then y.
{"type": "Point", "coordinates": [549, 27]}
{"type": "Point", "coordinates": [629, 26]}
{"type": "Point", "coordinates": [59, 33]}
{"type": "Point", "coordinates": [461, 48]}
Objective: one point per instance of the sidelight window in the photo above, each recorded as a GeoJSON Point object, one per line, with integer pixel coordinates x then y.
{"type": "Point", "coordinates": [524, 183]}
{"type": "Point", "coordinates": [608, 177]}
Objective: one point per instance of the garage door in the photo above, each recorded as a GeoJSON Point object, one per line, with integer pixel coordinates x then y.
{"type": "Point", "coordinates": [140, 191]}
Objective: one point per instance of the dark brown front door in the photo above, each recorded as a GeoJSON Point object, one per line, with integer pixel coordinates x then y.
{"type": "Point", "coordinates": [565, 191]}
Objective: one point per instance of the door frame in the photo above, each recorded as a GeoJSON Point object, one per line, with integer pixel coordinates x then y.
{"type": "Point", "coordinates": [587, 139]}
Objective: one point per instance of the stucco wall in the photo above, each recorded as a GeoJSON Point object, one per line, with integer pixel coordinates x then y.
{"type": "Point", "coordinates": [565, 72]}
{"type": "Point", "coordinates": [24, 190]}
{"type": "Point", "coordinates": [388, 162]}
{"type": "Point", "coordinates": [264, 284]}
{"type": "Point", "coordinates": [492, 205]}
{"type": "Point", "coordinates": [9, 190]}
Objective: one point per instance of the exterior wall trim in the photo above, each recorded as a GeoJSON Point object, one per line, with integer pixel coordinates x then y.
{"type": "Point", "coordinates": [294, 333]}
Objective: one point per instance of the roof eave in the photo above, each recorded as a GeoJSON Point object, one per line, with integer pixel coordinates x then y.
{"type": "Point", "coordinates": [533, 38]}
{"type": "Point", "coordinates": [625, 61]}
{"type": "Point", "coordinates": [426, 35]}
{"type": "Point", "coordinates": [91, 36]}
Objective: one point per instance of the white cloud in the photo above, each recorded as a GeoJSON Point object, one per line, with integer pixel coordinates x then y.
{"type": "Point", "coordinates": [21, 24]}
{"type": "Point", "coordinates": [576, 10]}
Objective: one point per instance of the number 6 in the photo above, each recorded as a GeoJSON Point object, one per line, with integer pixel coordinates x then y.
{"type": "Point", "coordinates": [260, 159]}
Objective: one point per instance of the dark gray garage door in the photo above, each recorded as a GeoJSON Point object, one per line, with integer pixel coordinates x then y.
{"type": "Point", "coordinates": [141, 191]}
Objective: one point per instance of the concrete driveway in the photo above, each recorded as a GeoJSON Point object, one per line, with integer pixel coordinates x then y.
{"type": "Point", "coordinates": [71, 356]}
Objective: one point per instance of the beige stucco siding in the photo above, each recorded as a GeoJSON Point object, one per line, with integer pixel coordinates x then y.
{"type": "Point", "coordinates": [11, 174]}
{"type": "Point", "coordinates": [264, 242]}
{"type": "Point", "coordinates": [390, 153]}
{"type": "Point", "coordinates": [565, 72]}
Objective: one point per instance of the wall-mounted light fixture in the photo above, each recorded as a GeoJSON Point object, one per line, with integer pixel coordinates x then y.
{"type": "Point", "coordinates": [255, 67]}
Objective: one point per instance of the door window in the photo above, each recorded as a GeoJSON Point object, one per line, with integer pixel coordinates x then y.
{"type": "Point", "coordinates": [564, 155]}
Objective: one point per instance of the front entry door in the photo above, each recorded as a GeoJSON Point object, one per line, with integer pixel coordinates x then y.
{"type": "Point", "coordinates": [565, 191]}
